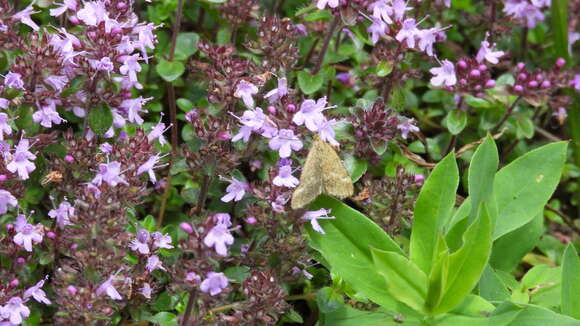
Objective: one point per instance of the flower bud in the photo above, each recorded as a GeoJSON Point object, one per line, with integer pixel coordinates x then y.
{"type": "Point", "coordinates": [186, 227]}
{"type": "Point", "coordinates": [71, 289]}
{"type": "Point", "coordinates": [539, 77]}
{"type": "Point", "coordinates": [14, 283]}
{"type": "Point", "coordinates": [121, 5]}
{"type": "Point", "coordinates": [475, 73]}
{"type": "Point", "coordinates": [69, 158]}
{"type": "Point", "coordinates": [419, 178]}
{"type": "Point", "coordinates": [463, 81]}
{"type": "Point", "coordinates": [490, 83]}
{"type": "Point", "coordinates": [546, 84]}
{"type": "Point", "coordinates": [482, 67]}
{"type": "Point", "coordinates": [272, 109]}
{"type": "Point", "coordinates": [520, 66]}
{"type": "Point", "coordinates": [9, 227]}
{"type": "Point", "coordinates": [51, 235]}
{"type": "Point", "coordinates": [518, 88]}
{"type": "Point", "coordinates": [291, 108]}
{"type": "Point", "coordinates": [522, 76]}
{"type": "Point", "coordinates": [533, 84]}
{"type": "Point", "coordinates": [251, 220]}
{"type": "Point", "coordinates": [560, 62]}
{"type": "Point", "coordinates": [3, 177]}
{"type": "Point", "coordinates": [462, 64]}
{"type": "Point", "coordinates": [20, 260]}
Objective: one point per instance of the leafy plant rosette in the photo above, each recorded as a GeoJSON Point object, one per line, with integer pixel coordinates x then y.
{"type": "Point", "coordinates": [451, 272]}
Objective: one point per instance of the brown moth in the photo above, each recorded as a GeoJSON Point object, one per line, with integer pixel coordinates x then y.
{"type": "Point", "coordinates": [323, 173]}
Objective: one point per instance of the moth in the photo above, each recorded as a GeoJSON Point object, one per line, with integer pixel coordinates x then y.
{"type": "Point", "coordinates": [323, 173]}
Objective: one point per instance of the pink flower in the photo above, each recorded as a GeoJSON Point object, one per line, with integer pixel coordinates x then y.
{"type": "Point", "coordinates": [47, 114]}
{"type": "Point", "coordinates": [108, 288]}
{"type": "Point", "coordinates": [486, 52]}
{"type": "Point", "coordinates": [37, 293]}
{"type": "Point", "coordinates": [399, 9]}
{"type": "Point", "coordinates": [146, 290]}
{"type": "Point", "coordinates": [110, 173]}
{"type": "Point", "coordinates": [146, 38]}
{"type": "Point", "coordinates": [6, 199]}
{"type": "Point", "coordinates": [161, 240]}
{"type": "Point", "coordinates": [235, 190]}
{"type": "Point", "coordinates": [285, 177]}
{"type": "Point", "coordinates": [326, 132]}
{"type": "Point", "coordinates": [15, 311]}
{"type": "Point", "coordinates": [408, 32]}
{"type": "Point", "coordinates": [524, 11]}
{"type": "Point", "coordinates": [62, 214]}
{"type": "Point", "coordinates": [92, 13]}
{"type": "Point", "coordinates": [27, 233]}
{"type": "Point", "coordinates": [5, 128]}
{"type": "Point", "coordinates": [428, 37]}
{"type": "Point", "coordinates": [377, 30]}
{"type": "Point", "coordinates": [220, 238]}
{"type": "Point", "coordinates": [314, 216]}
{"type": "Point", "coordinates": [444, 75]}
{"type": "Point", "coordinates": [133, 107]}
{"type": "Point", "coordinates": [149, 166]}
{"type": "Point", "coordinates": [279, 92]}
{"type": "Point", "coordinates": [382, 10]}
{"type": "Point", "coordinates": [407, 127]}
{"type": "Point", "coordinates": [321, 4]}
{"type": "Point", "coordinates": [21, 160]}
{"type": "Point", "coordinates": [310, 113]}
{"type": "Point", "coordinates": [245, 90]}
{"type": "Point", "coordinates": [576, 82]}
{"type": "Point", "coordinates": [24, 17]}
{"type": "Point", "coordinates": [57, 83]}
{"type": "Point", "coordinates": [285, 142]}
{"type": "Point", "coordinates": [63, 7]}
{"type": "Point", "coordinates": [153, 263]}
{"type": "Point", "coordinates": [214, 283]}
{"type": "Point", "coordinates": [141, 242]}
{"type": "Point", "coordinates": [13, 80]}
{"type": "Point", "coordinates": [130, 66]}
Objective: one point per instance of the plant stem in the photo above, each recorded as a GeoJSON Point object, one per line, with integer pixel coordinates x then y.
{"type": "Point", "coordinates": [506, 115]}
{"type": "Point", "coordinates": [568, 220]}
{"type": "Point", "coordinates": [172, 114]}
{"type": "Point", "coordinates": [327, 39]}
{"type": "Point", "coordinates": [188, 308]}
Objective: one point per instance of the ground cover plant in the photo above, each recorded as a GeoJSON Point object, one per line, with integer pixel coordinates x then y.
{"type": "Point", "coordinates": [289, 162]}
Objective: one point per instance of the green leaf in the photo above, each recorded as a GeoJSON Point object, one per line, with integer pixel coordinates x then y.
{"type": "Point", "coordinates": [355, 167]}
{"type": "Point", "coordinates": [384, 68]}
{"type": "Point", "coordinates": [405, 281]}
{"type": "Point", "coordinates": [100, 119]}
{"type": "Point", "coordinates": [237, 274]}
{"type": "Point", "coordinates": [164, 319]}
{"type": "Point", "coordinates": [293, 317]}
{"type": "Point", "coordinates": [523, 187]}
{"type": "Point", "coordinates": [503, 319]}
{"type": "Point", "coordinates": [456, 121]}
{"type": "Point", "coordinates": [491, 286]}
{"type": "Point", "coordinates": [328, 300]}
{"type": "Point", "coordinates": [170, 70]}
{"type": "Point", "coordinates": [346, 247]}
{"type": "Point", "coordinates": [186, 45]}
{"type": "Point", "coordinates": [571, 282]}
{"type": "Point", "coordinates": [432, 211]}
{"type": "Point", "coordinates": [482, 171]}
{"type": "Point", "coordinates": [347, 316]}
{"type": "Point", "coordinates": [309, 83]}
{"type": "Point", "coordinates": [509, 249]}
{"type": "Point", "coordinates": [559, 15]}
{"type": "Point", "coordinates": [532, 315]}
{"type": "Point", "coordinates": [477, 102]}
{"type": "Point", "coordinates": [524, 127]}
{"type": "Point", "coordinates": [467, 263]}
{"type": "Point", "coordinates": [149, 223]}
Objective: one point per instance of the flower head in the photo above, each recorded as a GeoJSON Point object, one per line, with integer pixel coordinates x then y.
{"type": "Point", "coordinates": [15, 311]}
{"type": "Point", "coordinates": [13, 80]}
{"type": "Point", "coordinates": [321, 4]}
{"type": "Point", "coordinates": [110, 173]}
{"type": "Point", "coordinates": [153, 263]}
{"type": "Point", "coordinates": [245, 90]}
{"type": "Point", "coordinates": [285, 142]}
{"type": "Point", "coordinates": [310, 113]}
{"type": "Point", "coordinates": [6, 199]}
{"type": "Point", "coordinates": [27, 234]}
{"type": "Point", "coordinates": [407, 127]}
{"type": "Point", "coordinates": [37, 293]}
{"type": "Point", "coordinates": [24, 17]}
{"type": "Point", "coordinates": [108, 288]}
{"type": "Point", "coordinates": [214, 283]}
{"type": "Point", "coordinates": [279, 92]}
{"type": "Point", "coordinates": [285, 177]}
{"type": "Point", "coordinates": [161, 240]}
{"type": "Point", "coordinates": [444, 75]}
{"type": "Point", "coordinates": [141, 242]}
{"type": "Point", "coordinates": [62, 214]}
{"type": "Point", "coordinates": [486, 52]}
{"type": "Point", "coordinates": [220, 238]}
{"type": "Point", "coordinates": [235, 190]}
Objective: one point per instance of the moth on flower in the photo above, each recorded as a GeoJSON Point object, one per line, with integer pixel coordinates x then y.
{"type": "Point", "coordinates": [323, 173]}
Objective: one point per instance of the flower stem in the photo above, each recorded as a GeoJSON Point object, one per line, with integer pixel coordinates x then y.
{"type": "Point", "coordinates": [327, 39]}
{"type": "Point", "coordinates": [506, 115]}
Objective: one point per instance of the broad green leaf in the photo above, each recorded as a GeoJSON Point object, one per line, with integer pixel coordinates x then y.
{"type": "Point", "coordinates": [432, 211]}
{"type": "Point", "coordinates": [491, 286]}
{"type": "Point", "coordinates": [164, 319]}
{"type": "Point", "coordinates": [405, 281]}
{"type": "Point", "coordinates": [328, 300]}
{"type": "Point", "coordinates": [474, 306]}
{"type": "Point", "coordinates": [503, 319]}
{"type": "Point", "coordinates": [523, 187]}
{"type": "Point", "coordinates": [559, 13]}
{"type": "Point", "coordinates": [346, 247]}
{"type": "Point", "coordinates": [355, 167]}
{"type": "Point", "coordinates": [509, 249]}
{"type": "Point", "coordinates": [532, 315]}
{"type": "Point", "coordinates": [467, 263]}
{"type": "Point", "coordinates": [237, 274]}
{"type": "Point", "coordinates": [439, 274]}
{"type": "Point", "coordinates": [100, 119]}
{"type": "Point", "coordinates": [309, 83]}
{"type": "Point", "coordinates": [542, 285]}
{"type": "Point", "coordinates": [186, 45]}
{"type": "Point", "coordinates": [456, 121]}
{"type": "Point", "coordinates": [347, 316]}
{"type": "Point", "coordinates": [170, 70]}
{"type": "Point", "coordinates": [482, 170]}
{"type": "Point", "coordinates": [477, 102]}
{"type": "Point", "coordinates": [524, 127]}
{"type": "Point", "coordinates": [571, 282]}
{"type": "Point", "coordinates": [384, 68]}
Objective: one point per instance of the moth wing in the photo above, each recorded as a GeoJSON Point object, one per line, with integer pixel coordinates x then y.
{"type": "Point", "coordinates": [310, 180]}
{"type": "Point", "coordinates": [336, 180]}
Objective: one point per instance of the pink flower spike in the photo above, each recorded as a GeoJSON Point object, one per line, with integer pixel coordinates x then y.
{"type": "Point", "coordinates": [444, 75]}
{"type": "Point", "coordinates": [24, 17]}
{"type": "Point", "coordinates": [214, 283]}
